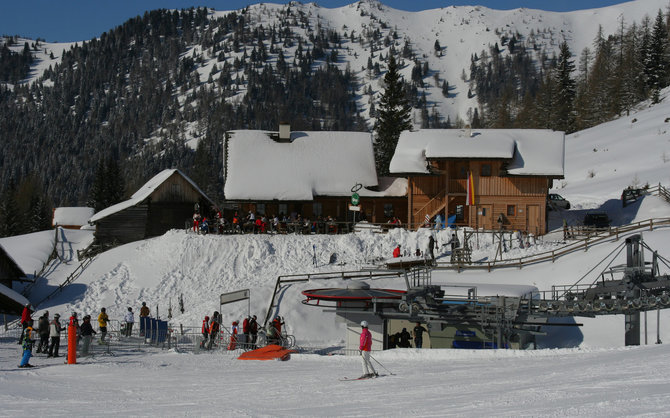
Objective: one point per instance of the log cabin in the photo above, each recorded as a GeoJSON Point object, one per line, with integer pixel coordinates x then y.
{"type": "Point", "coordinates": [487, 179]}
{"type": "Point", "coordinates": [165, 202]}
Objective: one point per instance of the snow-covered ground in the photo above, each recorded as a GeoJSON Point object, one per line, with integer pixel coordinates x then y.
{"type": "Point", "coordinates": [584, 371]}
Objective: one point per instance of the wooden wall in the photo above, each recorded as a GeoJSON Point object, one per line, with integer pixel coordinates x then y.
{"type": "Point", "coordinates": [122, 227]}
{"type": "Point", "coordinates": [494, 193]}
{"type": "Point", "coordinates": [176, 189]}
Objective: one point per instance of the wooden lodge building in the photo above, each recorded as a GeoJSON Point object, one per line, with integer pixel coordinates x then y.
{"type": "Point", "coordinates": [308, 173]}
{"type": "Point", "coordinates": [508, 171]}
{"type": "Point", "coordinates": [165, 202]}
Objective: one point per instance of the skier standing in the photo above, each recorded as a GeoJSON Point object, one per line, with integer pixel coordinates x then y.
{"type": "Point", "coordinates": [54, 334]}
{"type": "Point", "coordinates": [43, 329]}
{"type": "Point", "coordinates": [25, 317]}
{"type": "Point", "coordinates": [102, 324]}
{"type": "Point", "coordinates": [130, 320]}
{"type": "Point", "coordinates": [213, 329]}
{"type": "Point", "coordinates": [246, 330]}
{"type": "Point", "coordinates": [364, 348]}
{"type": "Point", "coordinates": [205, 331]}
{"type": "Point", "coordinates": [87, 332]}
{"type": "Point", "coordinates": [27, 342]}
{"type": "Point", "coordinates": [253, 331]}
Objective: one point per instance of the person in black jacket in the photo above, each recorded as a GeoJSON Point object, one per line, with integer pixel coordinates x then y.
{"type": "Point", "coordinates": [43, 329]}
{"type": "Point", "coordinates": [86, 331]}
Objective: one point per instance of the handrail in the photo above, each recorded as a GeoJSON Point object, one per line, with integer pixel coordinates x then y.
{"type": "Point", "coordinates": [439, 195]}
{"type": "Point", "coordinates": [71, 278]}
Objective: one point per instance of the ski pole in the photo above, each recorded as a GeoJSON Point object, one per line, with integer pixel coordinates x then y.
{"type": "Point", "coordinates": [391, 373]}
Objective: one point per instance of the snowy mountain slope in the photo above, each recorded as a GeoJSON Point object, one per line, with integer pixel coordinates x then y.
{"type": "Point", "coordinates": [461, 31]}
{"type": "Point", "coordinates": [633, 150]}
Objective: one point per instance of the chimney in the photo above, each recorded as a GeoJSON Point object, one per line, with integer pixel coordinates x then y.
{"type": "Point", "coordinates": [468, 131]}
{"type": "Point", "coordinates": [284, 132]}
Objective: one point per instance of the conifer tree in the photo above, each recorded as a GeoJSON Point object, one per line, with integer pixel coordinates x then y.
{"type": "Point", "coordinates": [657, 61]}
{"type": "Point", "coordinates": [394, 117]}
{"type": "Point", "coordinates": [9, 213]}
{"type": "Point", "coordinates": [564, 106]}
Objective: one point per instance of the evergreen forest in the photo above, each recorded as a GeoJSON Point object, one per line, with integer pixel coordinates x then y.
{"type": "Point", "coordinates": [117, 109]}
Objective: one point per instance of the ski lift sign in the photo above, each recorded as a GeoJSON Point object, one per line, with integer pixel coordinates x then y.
{"type": "Point", "coordinates": [235, 297]}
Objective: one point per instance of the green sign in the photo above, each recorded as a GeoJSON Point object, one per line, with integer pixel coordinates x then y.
{"type": "Point", "coordinates": [355, 198]}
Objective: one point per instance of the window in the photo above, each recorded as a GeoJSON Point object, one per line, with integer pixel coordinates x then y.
{"type": "Point", "coordinates": [260, 208]}
{"type": "Point", "coordinates": [388, 210]}
{"type": "Point", "coordinates": [283, 209]}
{"type": "Point", "coordinates": [511, 210]}
{"type": "Point", "coordinates": [486, 170]}
{"type": "Point", "coordinates": [317, 209]}
{"type": "Point", "coordinates": [460, 213]}
{"type": "Point", "coordinates": [463, 172]}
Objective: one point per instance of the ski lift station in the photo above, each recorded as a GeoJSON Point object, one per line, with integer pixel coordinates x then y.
{"type": "Point", "coordinates": [493, 315]}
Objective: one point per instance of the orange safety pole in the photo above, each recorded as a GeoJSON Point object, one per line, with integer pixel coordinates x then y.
{"type": "Point", "coordinates": [72, 344]}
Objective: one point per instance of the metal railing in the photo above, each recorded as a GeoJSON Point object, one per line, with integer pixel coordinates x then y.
{"type": "Point", "coordinates": [598, 237]}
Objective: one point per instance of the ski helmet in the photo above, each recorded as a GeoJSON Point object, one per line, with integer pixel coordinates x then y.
{"type": "Point", "coordinates": [364, 324]}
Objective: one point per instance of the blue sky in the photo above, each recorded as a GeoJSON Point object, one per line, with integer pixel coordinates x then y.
{"type": "Point", "coordinates": [78, 20]}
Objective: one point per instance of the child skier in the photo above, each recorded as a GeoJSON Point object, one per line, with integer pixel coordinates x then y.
{"type": "Point", "coordinates": [27, 342]}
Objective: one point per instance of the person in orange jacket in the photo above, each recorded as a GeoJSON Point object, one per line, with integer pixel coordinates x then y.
{"type": "Point", "coordinates": [214, 326]}
{"type": "Point", "coordinates": [233, 337]}
{"type": "Point", "coordinates": [396, 252]}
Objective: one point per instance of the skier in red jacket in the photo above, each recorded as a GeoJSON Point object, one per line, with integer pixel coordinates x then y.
{"type": "Point", "coordinates": [396, 252]}
{"type": "Point", "coordinates": [25, 320]}
{"type": "Point", "coordinates": [365, 347]}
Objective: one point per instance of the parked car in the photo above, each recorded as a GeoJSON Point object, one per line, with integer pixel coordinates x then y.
{"type": "Point", "coordinates": [556, 201]}
{"type": "Point", "coordinates": [630, 195]}
{"type": "Point", "coordinates": [597, 220]}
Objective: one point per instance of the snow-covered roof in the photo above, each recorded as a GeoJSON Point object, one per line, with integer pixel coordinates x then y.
{"type": "Point", "coordinates": [13, 296]}
{"type": "Point", "coordinates": [144, 192]}
{"type": "Point", "coordinates": [11, 263]}
{"type": "Point", "coordinates": [311, 164]}
{"type": "Point", "coordinates": [72, 216]}
{"type": "Point", "coordinates": [531, 152]}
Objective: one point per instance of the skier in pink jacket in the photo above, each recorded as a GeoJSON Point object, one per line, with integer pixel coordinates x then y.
{"type": "Point", "coordinates": [364, 348]}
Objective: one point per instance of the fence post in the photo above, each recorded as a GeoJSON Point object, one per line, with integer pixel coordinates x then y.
{"type": "Point", "coordinates": [651, 224]}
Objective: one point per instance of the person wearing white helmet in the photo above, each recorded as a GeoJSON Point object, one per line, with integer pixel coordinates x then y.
{"type": "Point", "coordinates": [364, 348]}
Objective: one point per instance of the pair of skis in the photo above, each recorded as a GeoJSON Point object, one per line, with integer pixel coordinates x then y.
{"type": "Point", "coordinates": [345, 379]}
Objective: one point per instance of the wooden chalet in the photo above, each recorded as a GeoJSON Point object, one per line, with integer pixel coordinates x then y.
{"type": "Point", "coordinates": [308, 173]}
{"type": "Point", "coordinates": [486, 179]}
{"type": "Point", "coordinates": [165, 202]}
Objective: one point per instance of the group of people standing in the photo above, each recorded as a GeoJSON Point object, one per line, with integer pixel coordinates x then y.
{"type": "Point", "coordinates": [48, 330]}
{"type": "Point", "coordinates": [247, 338]}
